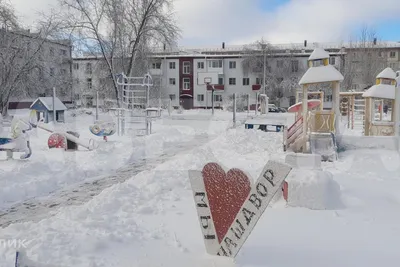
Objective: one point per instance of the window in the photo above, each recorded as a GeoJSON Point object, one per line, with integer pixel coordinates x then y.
{"type": "Point", "coordinates": [258, 81]}
{"type": "Point", "coordinates": [316, 63]}
{"type": "Point", "coordinates": [172, 97]}
{"type": "Point", "coordinates": [232, 64]}
{"type": "Point", "coordinates": [51, 72]}
{"type": "Point", "coordinates": [232, 81]}
{"type": "Point", "coordinates": [51, 51]}
{"type": "Point", "coordinates": [186, 84]}
{"type": "Point", "coordinates": [354, 86]}
{"type": "Point", "coordinates": [332, 60]}
{"type": "Point", "coordinates": [76, 66]}
{"type": "Point", "coordinates": [220, 80]}
{"type": "Point", "coordinates": [89, 68]}
{"type": "Point", "coordinates": [392, 54]}
{"type": "Point", "coordinates": [63, 52]}
{"type": "Point", "coordinates": [200, 65]}
{"type": "Point", "coordinates": [172, 65]}
{"type": "Point", "coordinates": [186, 67]}
{"type": "Point", "coordinates": [295, 65]}
{"type": "Point", "coordinates": [89, 84]}
{"type": "Point", "coordinates": [200, 98]}
{"type": "Point", "coordinates": [246, 81]}
{"type": "Point", "coordinates": [215, 63]}
{"type": "Point", "coordinates": [279, 64]}
{"type": "Point", "coordinates": [386, 81]}
{"type": "Point", "coordinates": [218, 98]}
{"type": "Point", "coordinates": [172, 81]}
{"type": "Point", "coordinates": [63, 72]}
{"type": "Point", "coordinates": [156, 65]}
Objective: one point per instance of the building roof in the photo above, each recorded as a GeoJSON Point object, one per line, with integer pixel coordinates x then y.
{"type": "Point", "coordinates": [387, 73]}
{"type": "Point", "coordinates": [321, 74]}
{"type": "Point", "coordinates": [319, 53]}
{"type": "Point", "coordinates": [48, 103]}
{"type": "Point", "coordinates": [385, 91]}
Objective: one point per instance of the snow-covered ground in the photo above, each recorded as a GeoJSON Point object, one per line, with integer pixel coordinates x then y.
{"type": "Point", "coordinates": [150, 219]}
{"type": "Point", "coordinates": [49, 170]}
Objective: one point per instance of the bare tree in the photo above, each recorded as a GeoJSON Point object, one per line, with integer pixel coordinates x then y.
{"type": "Point", "coordinates": [364, 59]}
{"type": "Point", "coordinates": [120, 32]}
{"type": "Point", "coordinates": [24, 64]}
{"type": "Point", "coordinates": [282, 69]}
{"type": "Point", "coordinates": [8, 19]}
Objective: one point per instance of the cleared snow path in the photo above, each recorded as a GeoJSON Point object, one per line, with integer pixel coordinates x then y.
{"type": "Point", "coordinates": [36, 209]}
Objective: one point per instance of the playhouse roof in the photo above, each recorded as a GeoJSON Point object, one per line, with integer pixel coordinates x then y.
{"type": "Point", "coordinates": [48, 103]}
{"type": "Point", "coordinates": [387, 73]}
{"type": "Point", "coordinates": [318, 53]}
{"type": "Point", "coordinates": [385, 91]}
{"type": "Point", "coordinates": [321, 74]}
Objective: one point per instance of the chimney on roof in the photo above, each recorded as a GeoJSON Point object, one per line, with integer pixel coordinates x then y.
{"type": "Point", "coordinates": [375, 41]}
{"type": "Point", "coordinates": [305, 43]}
{"type": "Point", "coordinates": [223, 45]}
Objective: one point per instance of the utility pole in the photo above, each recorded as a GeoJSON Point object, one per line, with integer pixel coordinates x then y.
{"type": "Point", "coordinates": [264, 46]}
{"type": "Point", "coordinates": [97, 105]}
{"type": "Point", "coordinates": [265, 67]}
{"type": "Point", "coordinates": [54, 105]}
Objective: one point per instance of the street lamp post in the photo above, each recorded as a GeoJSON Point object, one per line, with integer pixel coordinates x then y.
{"type": "Point", "coordinates": [264, 46]}
{"type": "Point", "coordinates": [264, 107]}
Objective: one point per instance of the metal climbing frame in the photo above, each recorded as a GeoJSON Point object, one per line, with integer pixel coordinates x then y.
{"type": "Point", "coordinates": [134, 96]}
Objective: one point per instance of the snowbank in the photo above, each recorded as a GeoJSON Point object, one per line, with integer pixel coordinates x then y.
{"type": "Point", "coordinates": [313, 189]}
{"type": "Point", "coordinates": [51, 170]}
{"type": "Point", "coordinates": [348, 142]}
{"type": "Point", "coordinates": [154, 211]}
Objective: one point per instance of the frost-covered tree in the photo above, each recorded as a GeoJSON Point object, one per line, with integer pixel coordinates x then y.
{"type": "Point", "coordinates": [24, 63]}
{"type": "Point", "coordinates": [120, 32]}
{"type": "Point", "coordinates": [282, 68]}
{"type": "Point", "coordinates": [364, 60]}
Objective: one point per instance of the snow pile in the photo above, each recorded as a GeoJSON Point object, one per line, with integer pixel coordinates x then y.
{"type": "Point", "coordinates": [353, 142]}
{"type": "Point", "coordinates": [318, 53]}
{"type": "Point", "coordinates": [154, 211]}
{"type": "Point", "coordinates": [313, 189]}
{"type": "Point", "coordinates": [321, 74]}
{"type": "Point", "coordinates": [51, 170]}
{"type": "Point", "coordinates": [304, 161]}
{"type": "Point", "coordinates": [384, 91]}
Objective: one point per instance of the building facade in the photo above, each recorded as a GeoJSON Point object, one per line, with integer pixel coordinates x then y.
{"type": "Point", "coordinates": [182, 74]}
{"type": "Point", "coordinates": [35, 65]}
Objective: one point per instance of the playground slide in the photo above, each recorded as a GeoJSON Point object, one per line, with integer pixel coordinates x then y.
{"type": "Point", "coordinates": [324, 144]}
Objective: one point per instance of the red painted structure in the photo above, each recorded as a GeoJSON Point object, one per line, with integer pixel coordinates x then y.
{"type": "Point", "coordinates": [226, 193]}
{"type": "Point", "coordinates": [186, 96]}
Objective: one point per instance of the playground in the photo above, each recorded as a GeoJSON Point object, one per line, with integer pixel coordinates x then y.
{"type": "Point", "coordinates": [127, 200]}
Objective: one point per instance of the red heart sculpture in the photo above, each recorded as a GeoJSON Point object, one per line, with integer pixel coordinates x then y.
{"type": "Point", "coordinates": [226, 195]}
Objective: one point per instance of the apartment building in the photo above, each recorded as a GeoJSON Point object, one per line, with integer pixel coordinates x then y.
{"type": "Point", "coordinates": [42, 64]}
{"type": "Point", "coordinates": [181, 72]}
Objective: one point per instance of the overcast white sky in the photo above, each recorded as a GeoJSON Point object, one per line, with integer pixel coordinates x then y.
{"type": "Point", "coordinates": [209, 22]}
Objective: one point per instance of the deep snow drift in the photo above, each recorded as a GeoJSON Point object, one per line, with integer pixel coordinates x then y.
{"type": "Point", "coordinates": [150, 220]}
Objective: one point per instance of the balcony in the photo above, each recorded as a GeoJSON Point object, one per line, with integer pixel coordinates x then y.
{"type": "Point", "coordinates": [219, 87]}
{"type": "Point", "coordinates": [156, 72]}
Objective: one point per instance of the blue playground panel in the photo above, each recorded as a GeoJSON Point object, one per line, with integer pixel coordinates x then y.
{"type": "Point", "coordinates": [4, 141]}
